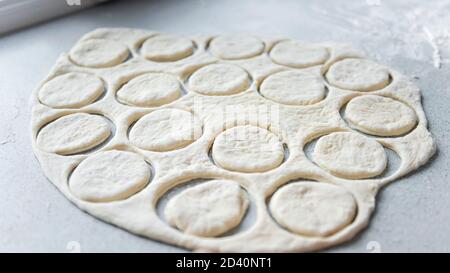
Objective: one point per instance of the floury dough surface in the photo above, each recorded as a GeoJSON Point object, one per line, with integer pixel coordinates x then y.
{"type": "Point", "coordinates": [118, 160]}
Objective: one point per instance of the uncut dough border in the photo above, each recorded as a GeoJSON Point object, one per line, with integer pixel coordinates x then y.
{"type": "Point", "coordinates": [192, 161]}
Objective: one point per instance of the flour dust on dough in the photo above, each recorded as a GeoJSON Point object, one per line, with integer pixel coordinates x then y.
{"type": "Point", "coordinates": [149, 90]}
{"type": "Point", "coordinates": [313, 209]}
{"type": "Point", "coordinates": [71, 90]}
{"type": "Point", "coordinates": [209, 209]}
{"type": "Point", "coordinates": [108, 176]}
{"type": "Point", "coordinates": [380, 116]}
{"type": "Point", "coordinates": [128, 115]}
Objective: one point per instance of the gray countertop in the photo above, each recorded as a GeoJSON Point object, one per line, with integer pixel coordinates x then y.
{"type": "Point", "coordinates": [412, 213]}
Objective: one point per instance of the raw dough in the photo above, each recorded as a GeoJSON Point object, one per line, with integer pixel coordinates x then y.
{"type": "Point", "coordinates": [247, 149]}
{"type": "Point", "coordinates": [187, 140]}
{"type": "Point", "coordinates": [167, 48]}
{"type": "Point", "coordinates": [99, 53]}
{"type": "Point", "coordinates": [358, 74]}
{"type": "Point", "coordinates": [149, 90]}
{"type": "Point", "coordinates": [298, 55]}
{"type": "Point", "coordinates": [380, 116]}
{"type": "Point", "coordinates": [109, 176]}
{"type": "Point", "coordinates": [232, 47]}
{"type": "Point", "coordinates": [73, 134]}
{"type": "Point", "coordinates": [294, 88]}
{"type": "Point", "coordinates": [313, 209]}
{"type": "Point", "coordinates": [165, 130]}
{"type": "Point", "coordinates": [350, 155]}
{"type": "Point", "coordinates": [209, 209]}
{"type": "Point", "coordinates": [219, 79]}
{"type": "Point", "coordinates": [71, 90]}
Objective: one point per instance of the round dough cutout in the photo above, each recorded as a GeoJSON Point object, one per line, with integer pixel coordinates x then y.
{"type": "Point", "coordinates": [150, 90]}
{"type": "Point", "coordinates": [350, 155]}
{"type": "Point", "coordinates": [313, 208]}
{"type": "Point", "coordinates": [109, 176]}
{"type": "Point", "coordinates": [219, 79]}
{"type": "Point", "coordinates": [298, 55]}
{"type": "Point", "coordinates": [167, 48]}
{"type": "Point", "coordinates": [165, 130]}
{"type": "Point", "coordinates": [358, 75]}
{"type": "Point", "coordinates": [209, 209]}
{"type": "Point", "coordinates": [71, 90]}
{"type": "Point", "coordinates": [293, 88]}
{"type": "Point", "coordinates": [99, 53]}
{"type": "Point", "coordinates": [247, 149]}
{"type": "Point", "coordinates": [233, 47]}
{"type": "Point", "coordinates": [380, 116]}
{"type": "Point", "coordinates": [73, 133]}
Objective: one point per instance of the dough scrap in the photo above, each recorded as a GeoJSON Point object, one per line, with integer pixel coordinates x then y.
{"type": "Point", "coordinates": [209, 209]}
{"type": "Point", "coordinates": [358, 75]}
{"type": "Point", "coordinates": [247, 148]}
{"type": "Point", "coordinates": [167, 48]}
{"type": "Point", "coordinates": [219, 79]}
{"type": "Point", "coordinates": [110, 176]}
{"type": "Point", "coordinates": [71, 90]}
{"type": "Point", "coordinates": [380, 116]}
{"type": "Point", "coordinates": [298, 55]}
{"type": "Point", "coordinates": [350, 155]}
{"type": "Point", "coordinates": [165, 130]}
{"type": "Point", "coordinates": [150, 90]}
{"type": "Point", "coordinates": [293, 88]}
{"type": "Point", "coordinates": [73, 133]}
{"type": "Point", "coordinates": [99, 53]}
{"type": "Point", "coordinates": [312, 208]}
{"type": "Point", "coordinates": [233, 47]}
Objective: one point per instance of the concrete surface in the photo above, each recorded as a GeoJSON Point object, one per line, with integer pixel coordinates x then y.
{"type": "Point", "coordinates": [412, 213]}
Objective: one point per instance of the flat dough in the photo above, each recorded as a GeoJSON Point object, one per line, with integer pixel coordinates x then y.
{"type": "Point", "coordinates": [73, 134]}
{"type": "Point", "coordinates": [358, 75]}
{"type": "Point", "coordinates": [380, 116]}
{"type": "Point", "coordinates": [110, 176]}
{"type": "Point", "coordinates": [233, 47]}
{"type": "Point", "coordinates": [185, 140]}
{"type": "Point", "coordinates": [313, 209]}
{"type": "Point", "coordinates": [71, 90]}
{"type": "Point", "coordinates": [247, 149]}
{"type": "Point", "coordinates": [209, 209]}
{"type": "Point", "coordinates": [350, 155]}
{"type": "Point", "coordinates": [219, 79]}
{"type": "Point", "coordinates": [99, 53]}
{"type": "Point", "coordinates": [298, 55]}
{"type": "Point", "coordinates": [167, 48]}
{"type": "Point", "coordinates": [165, 130]}
{"type": "Point", "coordinates": [293, 88]}
{"type": "Point", "coordinates": [150, 90]}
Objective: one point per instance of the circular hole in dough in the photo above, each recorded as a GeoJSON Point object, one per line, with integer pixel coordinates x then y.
{"type": "Point", "coordinates": [358, 75]}
{"type": "Point", "coordinates": [208, 209]}
{"type": "Point", "coordinates": [380, 116]}
{"type": "Point", "coordinates": [298, 55]}
{"type": "Point", "coordinates": [219, 79]}
{"type": "Point", "coordinates": [110, 176]}
{"type": "Point", "coordinates": [350, 155]}
{"type": "Point", "coordinates": [150, 90]}
{"type": "Point", "coordinates": [99, 53]}
{"type": "Point", "coordinates": [165, 130]}
{"type": "Point", "coordinates": [71, 90]}
{"type": "Point", "coordinates": [247, 149]}
{"type": "Point", "coordinates": [293, 88]}
{"type": "Point", "coordinates": [233, 47]}
{"type": "Point", "coordinates": [73, 134]}
{"type": "Point", "coordinates": [313, 208]}
{"type": "Point", "coordinates": [167, 48]}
